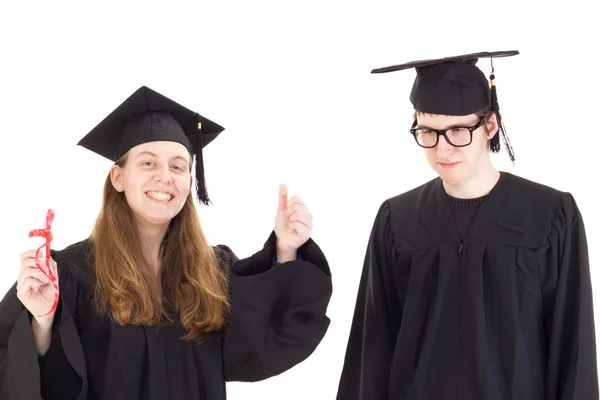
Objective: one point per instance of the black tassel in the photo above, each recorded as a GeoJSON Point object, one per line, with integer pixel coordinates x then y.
{"type": "Point", "coordinates": [495, 142]}
{"type": "Point", "coordinates": [202, 193]}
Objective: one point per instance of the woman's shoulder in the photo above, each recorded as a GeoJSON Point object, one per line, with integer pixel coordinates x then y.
{"type": "Point", "coordinates": [225, 256]}
{"type": "Point", "coordinates": [75, 260]}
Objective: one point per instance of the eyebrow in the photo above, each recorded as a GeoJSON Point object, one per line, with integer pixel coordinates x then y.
{"type": "Point", "coordinates": [156, 156]}
{"type": "Point", "coordinates": [419, 126]}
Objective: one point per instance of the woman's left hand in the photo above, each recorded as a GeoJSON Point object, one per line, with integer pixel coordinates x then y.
{"type": "Point", "coordinates": [293, 225]}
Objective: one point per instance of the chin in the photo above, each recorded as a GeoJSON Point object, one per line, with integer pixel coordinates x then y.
{"type": "Point", "coordinates": [157, 217]}
{"type": "Point", "coordinates": [450, 176]}
{"type": "Point", "coordinates": [160, 219]}
{"type": "Point", "coordinates": [153, 219]}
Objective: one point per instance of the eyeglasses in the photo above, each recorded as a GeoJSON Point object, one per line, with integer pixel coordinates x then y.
{"type": "Point", "coordinates": [457, 136]}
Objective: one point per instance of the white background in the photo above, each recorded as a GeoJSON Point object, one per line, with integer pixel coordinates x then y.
{"type": "Point", "coordinates": [291, 83]}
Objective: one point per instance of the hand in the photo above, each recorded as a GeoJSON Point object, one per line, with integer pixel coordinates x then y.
{"type": "Point", "coordinates": [293, 225]}
{"type": "Point", "coordinates": [35, 289]}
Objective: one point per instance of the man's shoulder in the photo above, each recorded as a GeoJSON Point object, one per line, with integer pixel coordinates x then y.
{"type": "Point", "coordinates": [414, 196]}
{"type": "Point", "coordinates": [518, 186]}
{"type": "Point", "coordinates": [529, 188]}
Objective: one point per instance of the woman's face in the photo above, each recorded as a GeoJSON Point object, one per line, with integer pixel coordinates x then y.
{"type": "Point", "coordinates": [156, 180]}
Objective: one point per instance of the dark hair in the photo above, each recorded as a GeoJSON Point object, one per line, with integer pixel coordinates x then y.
{"type": "Point", "coordinates": [495, 141]}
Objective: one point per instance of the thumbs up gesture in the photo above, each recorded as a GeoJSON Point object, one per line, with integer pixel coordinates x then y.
{"type": "Point", "coordinates": [293, 225]}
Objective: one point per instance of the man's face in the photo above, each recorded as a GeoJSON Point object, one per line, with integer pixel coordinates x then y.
{"type": "Point", "coordinates": [456, 165]}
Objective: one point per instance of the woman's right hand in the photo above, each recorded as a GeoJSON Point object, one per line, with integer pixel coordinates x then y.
{"type": "Point", "coordinates": [35, 289]}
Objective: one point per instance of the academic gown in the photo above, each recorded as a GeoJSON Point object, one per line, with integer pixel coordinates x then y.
{"type": "Point", "coordinates": [278, 318]}
{"type": "Point", "coordinates": [504, 314]}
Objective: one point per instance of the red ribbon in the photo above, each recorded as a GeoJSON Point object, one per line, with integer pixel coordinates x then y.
{"type": "Point", "coordinates": [47, 234]}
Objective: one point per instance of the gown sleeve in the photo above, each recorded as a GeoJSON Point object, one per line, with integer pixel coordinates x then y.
{"type": "Point", "coordinates": [278, 312]}
{"type": "Point", "coordinates": [60, 373]}
{"type": "Point", "coordinates": [377, 316]}
{"type": "Point", "coordinates": [568, 308]}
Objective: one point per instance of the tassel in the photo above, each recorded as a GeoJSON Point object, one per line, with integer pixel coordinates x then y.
{"type": "Point", "coordinates": [201, 191]}
{"type": "Point", "coordinates": [495, 143]}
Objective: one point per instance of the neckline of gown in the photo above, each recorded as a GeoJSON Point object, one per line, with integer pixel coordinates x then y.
{"type": "Point", "coordinates": [440, 214]}
{"type": "Point", "coordinates": [465, 203]}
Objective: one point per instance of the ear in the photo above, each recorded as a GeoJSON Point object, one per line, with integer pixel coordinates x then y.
{"type": "Point", "coordinates": [116, 178]}
{"type": "Point", "coordinates": [492, 126]}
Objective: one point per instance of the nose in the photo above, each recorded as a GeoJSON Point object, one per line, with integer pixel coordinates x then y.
{"type": "Point", "coordinates": [163, 175]}
{"type": "Point", "coordinates": [444, 148]}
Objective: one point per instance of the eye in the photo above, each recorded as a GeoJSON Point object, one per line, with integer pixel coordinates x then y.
{"type": "Point", "coordinates": [148, 163]}
{"type": "Point", "coordinates": [178, 168]}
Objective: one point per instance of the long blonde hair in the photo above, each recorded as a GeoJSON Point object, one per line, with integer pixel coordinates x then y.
{"type": "Point", "coordinates": [191, 284]}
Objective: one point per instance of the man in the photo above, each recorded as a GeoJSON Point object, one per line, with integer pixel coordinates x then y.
{"type": "Point", "coordinates": [476, 285]}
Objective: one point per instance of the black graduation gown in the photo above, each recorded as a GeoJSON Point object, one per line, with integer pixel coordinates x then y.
{"type": "Point", "coordinates": [506, 314]}
{"type": "Point", "coordinates": [278, 319]}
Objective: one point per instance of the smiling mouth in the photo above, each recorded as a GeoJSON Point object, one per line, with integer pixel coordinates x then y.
{"type": "Point", "coordinates": [159, 196]}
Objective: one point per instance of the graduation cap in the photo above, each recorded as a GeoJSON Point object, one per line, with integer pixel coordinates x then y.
{"type": "Point", "coordinates": [456, 86]}
{"type": "Point", "coordinates": [148, 116]}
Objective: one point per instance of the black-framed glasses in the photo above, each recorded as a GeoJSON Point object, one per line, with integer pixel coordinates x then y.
{"type": "Point", "coordinates": [457, 136]}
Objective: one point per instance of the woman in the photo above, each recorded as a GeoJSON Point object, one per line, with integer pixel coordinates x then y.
{"type": "Point", "coordinates": [147, 309]}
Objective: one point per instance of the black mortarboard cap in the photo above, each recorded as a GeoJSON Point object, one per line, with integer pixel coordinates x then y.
{"type": "Point", "coordinates": [455, 86]}
{"type": "Point", "coordinates": [148, 116]}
